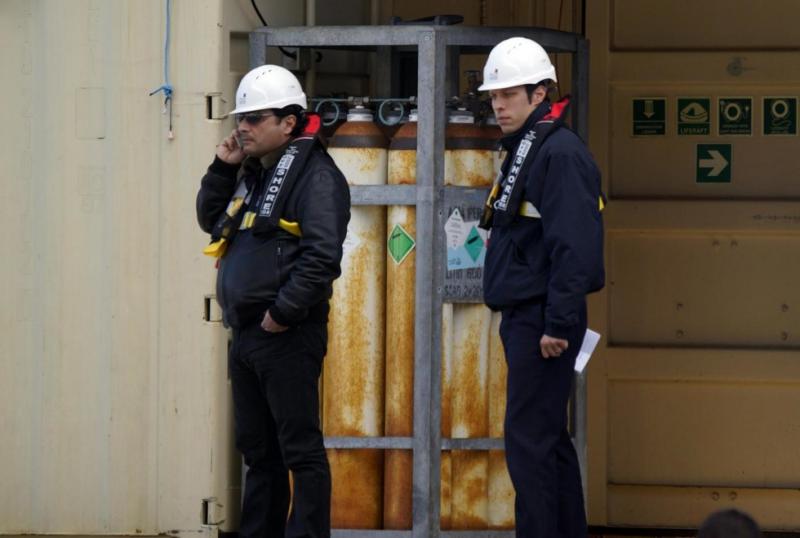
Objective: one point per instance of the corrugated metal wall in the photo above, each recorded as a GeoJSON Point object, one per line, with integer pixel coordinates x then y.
{"type": "Point", "coordinates": [698, 405]}
{"type": "Point", "coordinates": [113, 393]}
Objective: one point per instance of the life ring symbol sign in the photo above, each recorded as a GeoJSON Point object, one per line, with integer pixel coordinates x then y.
{"type": "Point", "coordinates": [736, 116]}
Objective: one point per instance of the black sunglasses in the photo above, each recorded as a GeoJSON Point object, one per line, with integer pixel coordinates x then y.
{"type": "Point", "coordinates": [252, 118]}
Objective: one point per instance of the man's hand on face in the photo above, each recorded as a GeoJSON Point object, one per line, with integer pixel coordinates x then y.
{"type": "Point", "coordinates": [552, 347]}
{"type": "Point", "coordinates": [229, 150]}
{"type": "Point", "coordinates": [270, 325]}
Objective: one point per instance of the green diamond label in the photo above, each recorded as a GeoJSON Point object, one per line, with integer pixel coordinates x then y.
{"type": "Point", "coordinates": [735, 116]}
{"type": "Point", "coordinates": [649, 116]}
{"type": "Point", "coordinates": [694, 116]}
{"type": "Point", "coordinates": [474, 244]}
{"type": "Point", "coordinates": [714, 163]}
{"type": "Point", "coordinates": [780, 115]}
{"type": "Point", "coordinates": [400, 244]}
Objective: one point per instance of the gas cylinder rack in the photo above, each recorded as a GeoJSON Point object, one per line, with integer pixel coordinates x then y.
{"type": "Point", "coordinates": [434, 45]}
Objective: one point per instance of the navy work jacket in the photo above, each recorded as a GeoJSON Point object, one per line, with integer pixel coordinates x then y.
{"type": "Point", "coordinates": [556, 257]}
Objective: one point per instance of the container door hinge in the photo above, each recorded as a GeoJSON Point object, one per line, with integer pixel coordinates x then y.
{"type": "Point", "coordinates": [211, 510]}
{"type": "Point", "coordinates": [216, 106]}
{"type": "Point", "coordinates": [212, 313]}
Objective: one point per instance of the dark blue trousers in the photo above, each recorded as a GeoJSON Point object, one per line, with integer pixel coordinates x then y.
{"type": "Point", "coordinates": [541, 459]}
{"type": "Point", "coordinates": [276, 411]}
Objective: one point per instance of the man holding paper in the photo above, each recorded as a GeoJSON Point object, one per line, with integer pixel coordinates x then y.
{"type": "Point", "coordinates": [545, 255]}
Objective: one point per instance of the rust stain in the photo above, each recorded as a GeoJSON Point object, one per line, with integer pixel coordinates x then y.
{"type": "Point", "coordinates": [471, 325]}
{"type": "Point", "coordinates": [400, 332]}
{"type": "Point", "coordinates": [497, 379]}
{"type": "Point", "coordinates": [501, 492]}
{"type": "Point", "coordinates": [357, 485]}
{"type": "Point", "coordinates": [402, 167]}
{"type": "Point", "coordinates": [472, 167]}
{"type": "Point", "coordinates": [397, 489]}
{"type": "Point", "coordinates": [470, 490]}
{"type": "Point", "coordinates": [470, 369]}
{"type": "Point", "coordinates": [354, 367]}
{"type": "Point", "coordinates": [446, 504]}
{"type": "Point", "coordinates": [361, 166]}
{"type": "Point", "coordinates": [469, 168]}
{"type": "Point", "coordinates": [447, 370]}
{"type": "Point", "coordinates": [400, 309]}
{"type": "Point", "coordinates": [353, 377]}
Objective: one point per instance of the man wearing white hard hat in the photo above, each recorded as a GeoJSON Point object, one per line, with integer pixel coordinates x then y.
{"type": "Point", "coordinates": [545, 255]}
{"type": "Point", "coordinates": [277, 208]}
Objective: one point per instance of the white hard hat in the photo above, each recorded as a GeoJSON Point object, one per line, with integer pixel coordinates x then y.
{"type": "Point", "coordinates": [515, 62]}
{"type": "Point", "coordinates": [268, 86]}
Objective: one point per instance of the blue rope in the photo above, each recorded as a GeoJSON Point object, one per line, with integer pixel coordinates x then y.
{"type": "Point", "coordinates": [166, 87]}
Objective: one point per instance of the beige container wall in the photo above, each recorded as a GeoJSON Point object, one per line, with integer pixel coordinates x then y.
{"type": "Point", "coordinates": [693, 408]}
{"type": "Point", "coordinates": [114, 396]}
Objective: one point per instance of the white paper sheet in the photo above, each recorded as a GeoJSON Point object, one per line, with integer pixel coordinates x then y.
{"type": "Point", "coordinates": [590, 340]}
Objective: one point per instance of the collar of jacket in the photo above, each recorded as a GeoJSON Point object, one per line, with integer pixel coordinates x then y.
{"type": "Point", "coordinates": [509, 142]}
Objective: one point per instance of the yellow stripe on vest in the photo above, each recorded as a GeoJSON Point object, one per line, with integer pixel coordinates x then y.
{"type": "Point", "coordinates": [216, 249]}
{"type": "Point", "coordinates": [291, 227]}
{"type": "Point", "coordinates": [602, 204]}
{"type": "Point", "coordinates": [248, 220]}
{"type": "Point", "coordinates": [529, 210]}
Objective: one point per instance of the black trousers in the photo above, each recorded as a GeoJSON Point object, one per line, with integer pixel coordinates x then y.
{"type": "Point", "coordinates": [276, 409]}
{"type": "Point", "coordinates": [541, 459]}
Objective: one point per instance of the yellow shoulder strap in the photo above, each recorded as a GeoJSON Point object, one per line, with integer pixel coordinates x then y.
{"type": "Point", "coordinates": [291, 227]}
{"type": "Point", "coordinates": [216, 249]}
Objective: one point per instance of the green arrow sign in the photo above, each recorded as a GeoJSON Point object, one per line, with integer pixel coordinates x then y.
{"type": "Point", "coordinates": [649, 116]}
{"type": "Point", "coordinates": [714, 163]}
{"type": "Point", "coordinates": [780, 115]}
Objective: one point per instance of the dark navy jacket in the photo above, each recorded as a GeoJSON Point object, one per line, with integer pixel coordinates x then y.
{"type": "Point", "coordinates": [557, 258]}
{"type": "Point", "coordinates": [289, 276]}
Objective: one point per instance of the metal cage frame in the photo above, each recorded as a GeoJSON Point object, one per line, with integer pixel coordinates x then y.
{"type": "Point", "coordinates": [430, 197]}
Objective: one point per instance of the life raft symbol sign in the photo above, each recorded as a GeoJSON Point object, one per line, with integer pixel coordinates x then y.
{"type": "Point", "coordinates": [693, 115]}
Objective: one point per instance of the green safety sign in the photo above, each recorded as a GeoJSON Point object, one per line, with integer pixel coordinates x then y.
{"type": "Point", "coordinates": [474, 244]}
{"type": "Point", "coordinates": [714, 163]}
{"type": "Point", "coordinates": [735, 116]}
{"type": "Point", "coordinates": [400, 244]}
{"type": "Point", "coordinates": [694, 115]}
{"type": "Point", "coordinates": [649, 116]}
{"type": "Point", "coordinates": [780, 115]}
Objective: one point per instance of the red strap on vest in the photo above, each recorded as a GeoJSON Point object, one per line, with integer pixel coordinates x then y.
{"type": "Point", "coordinates": [557, 109]}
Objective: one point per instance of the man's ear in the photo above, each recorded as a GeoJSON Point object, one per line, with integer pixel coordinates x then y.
{"type": "Point", "coordinates": [539, 94]}
{"type": "Point", "coordinates": [288, 123]}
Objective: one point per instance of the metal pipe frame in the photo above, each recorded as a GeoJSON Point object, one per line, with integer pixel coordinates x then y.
{"type": "Point", "coordinates": [430, 198]}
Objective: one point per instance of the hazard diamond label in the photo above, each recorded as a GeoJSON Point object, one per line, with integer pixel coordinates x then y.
{"type": "Point", "coordinates": [400, 244]}
{"type": "Point", "coordinates": [474, 244]}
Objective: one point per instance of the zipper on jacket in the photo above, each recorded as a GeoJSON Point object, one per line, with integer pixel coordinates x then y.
{"type": "Point", "coordinates": [279, 268]}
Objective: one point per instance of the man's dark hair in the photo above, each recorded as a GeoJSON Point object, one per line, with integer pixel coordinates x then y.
{"type": "Point", "coordinates": [297, 112]}
{"type": "Point", "coordinates": [548, 86]}
{"type": "Point", "coordinates": [730, 523]}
